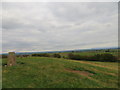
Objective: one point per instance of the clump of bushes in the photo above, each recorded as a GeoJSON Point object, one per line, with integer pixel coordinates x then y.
{"type": "Point", "coordinates": [57, 55]}
{"type": "Point", "coordinates": [73, 56]}
{"type": "Point", "coordinates": [64, 57]}
{"type": "Point", "coordinates": [46, 55]}
{"type": "Point", "coordinates": [3, 56]}
{"type": "Point", "coordinates": [98, 57]}
{"type": "Point", "coordinates": [25, 55]}
{"type": "Point", "coordinates": [41, 55]}
{"type": "Point", "coordinates": [105, 57]}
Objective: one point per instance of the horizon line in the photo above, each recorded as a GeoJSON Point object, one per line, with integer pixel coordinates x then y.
{"type": "Point", "coordinates": [62, 50]}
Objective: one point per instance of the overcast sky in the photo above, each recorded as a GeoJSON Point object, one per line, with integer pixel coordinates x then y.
{"type": "Point", "coordinates": [47, 26]}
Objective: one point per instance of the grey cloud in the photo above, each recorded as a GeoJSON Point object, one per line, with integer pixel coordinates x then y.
{"type": "Point", "coordinates": [59, 26]}
{"type": "Point", "coordinates": [12, 25]}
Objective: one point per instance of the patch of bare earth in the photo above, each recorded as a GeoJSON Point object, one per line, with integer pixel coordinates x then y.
{"type": "Point", "coordinates": [84, 73]}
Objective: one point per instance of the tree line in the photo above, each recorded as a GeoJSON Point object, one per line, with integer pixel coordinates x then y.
{"type": "Point", "coordinates": [105, 57]}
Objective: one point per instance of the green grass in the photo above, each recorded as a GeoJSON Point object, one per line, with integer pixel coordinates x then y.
{"type": "Point", "coordinates": [91, 53]}
{"type": "Point", "coordinates": [45, 72]}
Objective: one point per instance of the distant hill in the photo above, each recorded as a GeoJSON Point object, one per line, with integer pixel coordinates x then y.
{"type": "Point", "coordinates": [78, 50]}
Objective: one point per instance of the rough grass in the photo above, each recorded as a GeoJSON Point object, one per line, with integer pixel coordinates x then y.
{"type": "Point", "coordinates": [45, 72]}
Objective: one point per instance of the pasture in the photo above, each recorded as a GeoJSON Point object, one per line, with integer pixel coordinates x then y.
{"type": "Point", "coordinates": [48, 72]}
{"type": "Point", "coordinates": [114, 52]}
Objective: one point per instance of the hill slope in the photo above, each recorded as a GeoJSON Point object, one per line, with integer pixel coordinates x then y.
{"type": "Point", "coordinates": [43, 72]}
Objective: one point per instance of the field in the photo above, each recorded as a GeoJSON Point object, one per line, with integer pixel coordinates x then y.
{"type": "Point", "coordinates": [48, 72]}
{"type": "Point", "coordinates": [114, 52]}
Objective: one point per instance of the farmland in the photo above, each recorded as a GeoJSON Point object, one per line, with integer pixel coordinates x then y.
{"type": "Point", "coordinates": [114, 52]}
{"type": "Point", "coordinates": [49, 72]}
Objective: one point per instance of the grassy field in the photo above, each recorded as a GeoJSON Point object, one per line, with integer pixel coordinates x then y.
{"type": "Point", "coordinates": [46, 72]}
{"type": "Point", "coordinates": [91, 53]}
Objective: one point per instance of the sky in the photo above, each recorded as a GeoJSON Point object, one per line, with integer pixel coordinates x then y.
{"type": "Point", "coordinates": [55, 26]}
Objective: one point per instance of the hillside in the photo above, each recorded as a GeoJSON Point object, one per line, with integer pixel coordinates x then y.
{"type": "Point", "coordinates": [46, 72]}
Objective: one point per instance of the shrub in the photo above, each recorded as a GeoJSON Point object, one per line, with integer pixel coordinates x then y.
{"type": "Point", "coordinates": [64, 57]}
{"type": "Point", "coordinates": [4, 56]}
{"type": "Point", "coordinates": [98, 57]}
{"type": "Point", "coordinates": [41, 55]}
{"type": "Point", "coordinates": [107, 50]}
{"type": "Point", "coordinates": [25, 55]}
{"type": "Point", "coordinates": [17, 55]}
{"type": "Point", "coordinates": [57, 55]}
{"type": "Point", "coordinates": [71, 56]}
{"type": "Point", "coordinates": [76, 57]}
{"type": "Point", "coordinates": [105, 57]}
